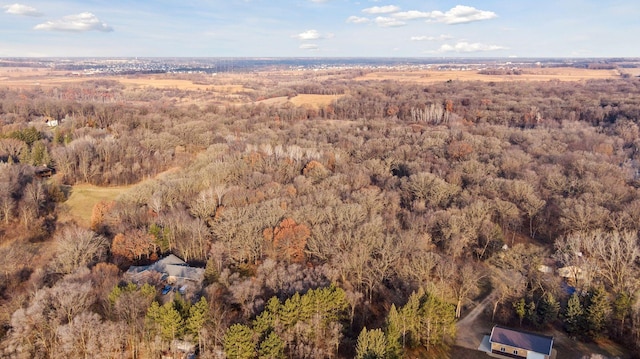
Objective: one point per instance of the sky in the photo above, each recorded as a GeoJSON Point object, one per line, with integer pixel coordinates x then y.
{"type": "Point", "coordinates": [320, 28]}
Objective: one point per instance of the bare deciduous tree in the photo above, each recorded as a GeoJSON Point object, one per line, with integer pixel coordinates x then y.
{"type": "Point", "coordinates": [610, 256]}
{"type": "Point", "coordinates": [77, 247]}
{"type": "Point", "coordinates": [465, 285]}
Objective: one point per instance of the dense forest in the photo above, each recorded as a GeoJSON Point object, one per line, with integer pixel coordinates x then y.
{"type": "Point", "coordinates": [362, 228]}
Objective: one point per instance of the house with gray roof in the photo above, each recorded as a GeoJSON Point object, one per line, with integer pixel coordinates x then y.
{"type": "Point", "coordinates": [511, 343]}
{"type": "Point", "coordinates": [172, 270]}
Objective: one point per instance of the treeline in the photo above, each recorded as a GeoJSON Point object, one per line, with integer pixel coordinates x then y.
{"type": "Point", "coordinates": [411, 200]}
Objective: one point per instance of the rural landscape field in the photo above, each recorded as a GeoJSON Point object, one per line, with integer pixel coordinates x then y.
{"type": "Point", "coordinates": [397, 211]}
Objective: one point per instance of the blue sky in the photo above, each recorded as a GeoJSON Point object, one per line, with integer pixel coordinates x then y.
{"type": "Point", "coordinates": [320, 28]}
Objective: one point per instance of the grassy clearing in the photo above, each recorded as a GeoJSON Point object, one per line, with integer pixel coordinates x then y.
{"type": "Point", "coordinates": [314, 100]}
{"type": "Point", "coordinates": [82, 199]}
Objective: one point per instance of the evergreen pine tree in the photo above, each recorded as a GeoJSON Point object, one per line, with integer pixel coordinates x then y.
{"type": "Point", "coordinates": [437, 320]}
{"type": "Point", "coordinates": [197, 317]}
{"type": "Point", "coordinates": [531, 313]}
{"type": "Point", "coordinates": [170, 322]}
{"type": "Point", "coordinates": [548, 309]}
{"type": "Point", "coordinates": [238, 342]}
{"type": "Point", "coordinates": [164, 321]}
{"type": "Point", "coordinates": [574, 315]}
{"type": "Point", "coordinates": [272, 347]}
{"type": "Point", "coordinates": [597, 312]}
{"type": "Point", "coordinates": [520, 307]}
{"type": "Point", "coordinates": [394, 333]}
{"type": "Point", "coordinates": [371, 344]}
{"type": "Point", "coordinates": [58, 137]}
{"type": "Point", "coordinates": [265, 322]}
{"type": "Point", "coordinates": [39, 155]}
{"type": "Point", "coordinates": [410, 318]}
{"type": "Point", "coordinates": [621, 309]}
{"type": "Point", "coordinates": [211, 274]}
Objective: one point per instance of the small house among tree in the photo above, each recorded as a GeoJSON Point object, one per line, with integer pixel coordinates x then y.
{"type": "Point", "coordinates": [51, 122]}
{"type": "Point", "coordinates": [44, 171]}
{"type": "Point", "coordinates": [510, 343]}
{"type": "Point", "coordinates": [173, 270]}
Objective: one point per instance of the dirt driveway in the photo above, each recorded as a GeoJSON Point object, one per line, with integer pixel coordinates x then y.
{"type": "Point", "coordinates": [470, 330]}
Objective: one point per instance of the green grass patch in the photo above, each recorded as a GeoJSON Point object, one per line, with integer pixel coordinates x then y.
{"type": "Point", "coordinates": [83, 197]}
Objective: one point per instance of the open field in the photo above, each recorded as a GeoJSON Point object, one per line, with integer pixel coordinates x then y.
{"type": "Point", "coordinates": [314, 100]}
{"type": "Point", "coordinates": [231, 88]}
{"type": "Point", "coordinates": [631, 71]}
{"type": "Point", "coordinates": [27, 77]}
{"type": "Point", "coordinates": [82, 199]}
{"type": "Point", "coordinates": [230, 83]}
{"type": "Point", "coordinates": [542, 74]}
{"type": "Point", "coordinates": [163, 83]}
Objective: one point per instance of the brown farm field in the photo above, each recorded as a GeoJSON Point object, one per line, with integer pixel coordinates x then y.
{"type": "Point", "coordinates": [541, 74]}
{"type": "Point", "coordinates": [29, 77]}
{"type": "Point", "coordinates": [233, 83]}
{"type": "Point", "coordinates": [162, 82]}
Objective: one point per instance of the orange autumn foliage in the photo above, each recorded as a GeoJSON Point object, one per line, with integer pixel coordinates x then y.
{"type": "Point", "coordinates": [133, 245]}
{"type": "Point", "coordinates": [288, 240]}
{"type": "Point", "coordinates": [448, 106]}
{"type": "Point", "coordinates": [99, 213]}
{"type": "Point", "coordinates": [313, 165]}
{"type": "Point", "coordinates": [459, 150]}
{"type": "Point", "coordinates": [315, 170]}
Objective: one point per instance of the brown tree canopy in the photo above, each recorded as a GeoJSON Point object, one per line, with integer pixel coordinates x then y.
{"type": "Point", "coordinates": [288, 240]}
{"type": "Point", "coordinates": [133, 245]}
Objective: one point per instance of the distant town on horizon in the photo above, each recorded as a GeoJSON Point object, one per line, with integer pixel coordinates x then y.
{"type": "Point", "coordinates": [130, 65]}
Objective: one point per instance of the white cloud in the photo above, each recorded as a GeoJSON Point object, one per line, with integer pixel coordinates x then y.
{"type": "Point", "coordinates": [309, 47]}
{"type": "Point", "coordinates": [461, 14]}
{"type": "Point", "coordinates": [389, 22]}
{"type": "Point", "coordinates": [431, 38]}
{"type": "Point", "coordinates": [357, 20]}
{"type": "Point", "coordinates": [20, 9]}
{"type": "Point", "coordinates": [85, 21]}
{"type": "Point", "coordinates": [308, 35]}
{"type": "Point", "coordinates": [381, 9]}
{"type": "Point", "coordinates": [412, 15]}
{"type": "Point", "coordinates": [464, 46]}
